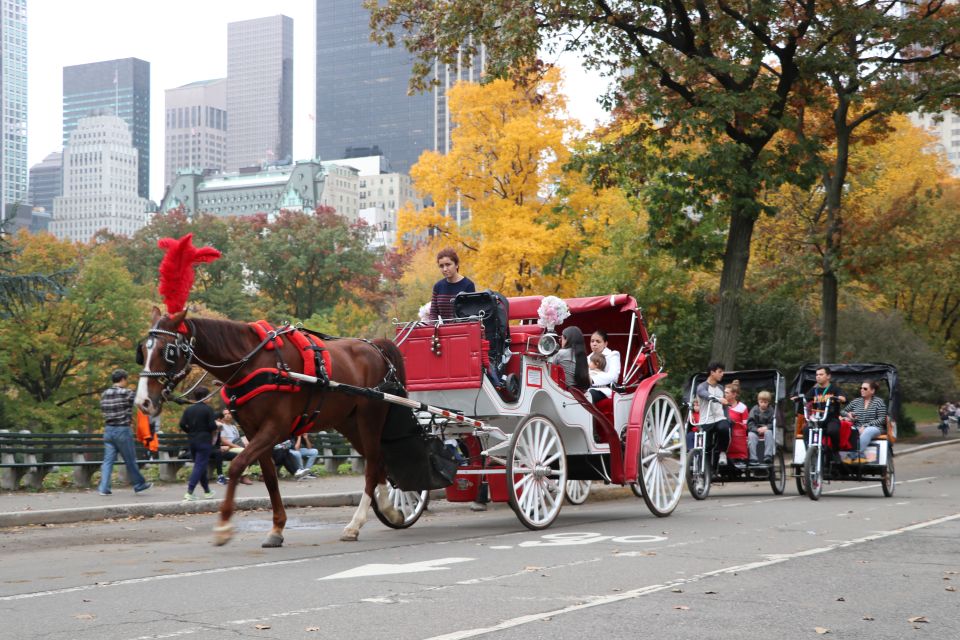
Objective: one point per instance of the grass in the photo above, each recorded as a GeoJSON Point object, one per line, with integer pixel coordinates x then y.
{"type": "Point", "coordinates": [922, 412]}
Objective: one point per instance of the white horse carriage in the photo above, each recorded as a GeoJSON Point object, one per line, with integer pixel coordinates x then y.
{"type": "Point", "coordinates": [483, 383]}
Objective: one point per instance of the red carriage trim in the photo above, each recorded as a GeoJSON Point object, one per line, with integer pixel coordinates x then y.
{"type": "Point", "coordinates": [631, 459]}
{"type": "Point", "coordinates": [525, 307]}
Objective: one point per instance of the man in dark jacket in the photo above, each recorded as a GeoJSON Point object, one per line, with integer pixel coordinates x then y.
{"type": "Point", "coordinates": [200, 423]}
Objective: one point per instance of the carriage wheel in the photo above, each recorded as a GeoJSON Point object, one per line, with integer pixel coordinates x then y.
{"type": "Point", "coordinates": [411, 504]}
{"type": "Point", "coordinates": [536, 472]}
{"type": "Point", "coordinates": [663, 455]}
{"type": "Point", "coordinates": [778, 474]}
{"type": "Point", "coordinates": [698, 474]}
{"type": "Point", "coordinates": [577, 491]}
{"type": "Point", "coordinates": [813, 473]}
{"type": "Point", "coordinates": [889, 481]}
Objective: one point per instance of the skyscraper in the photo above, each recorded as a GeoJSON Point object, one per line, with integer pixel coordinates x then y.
{"type": "Point", "coordinates": [118, 87]}
{"type": "Point", "coordinates": [195, 128]}
{"type": "Point", "coordinates": [100, 180]}
{"type": "Point", "coordinates": [260, 92]}
{"type": "Point", "coordinates": [13, 103]}
{"type": "Point", "coordinates": [46, 181]}
{"type": "Point", "coordinates": [362, 96]}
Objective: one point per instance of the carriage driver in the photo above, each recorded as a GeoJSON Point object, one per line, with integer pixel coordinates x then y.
{"type": "Point", "coordinates": [713, 416]}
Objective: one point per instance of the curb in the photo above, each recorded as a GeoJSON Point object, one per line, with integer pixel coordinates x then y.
{"type": "Point", "coordinates": [150, 509]}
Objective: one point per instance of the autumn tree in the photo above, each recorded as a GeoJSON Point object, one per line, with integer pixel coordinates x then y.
{"type": "Point", "coordinates": [529, 220]}
{"type": "Point", "coordinates": [722, 74]}
{"type": "Point", "coordinates": [57, 352]}
{"type": "Point", "coordinates": [876, 58]}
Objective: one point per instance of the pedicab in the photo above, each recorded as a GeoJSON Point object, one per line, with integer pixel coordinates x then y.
{"type": "Point", "coordinates": [518, 429]}
{"type": "Point", "coordinates": [703, 467]}
{"type": "Point", "coordinates": [813, 459]}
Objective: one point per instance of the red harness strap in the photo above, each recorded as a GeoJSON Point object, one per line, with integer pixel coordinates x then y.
{"type": "Point", "coordinates": [275, 379]}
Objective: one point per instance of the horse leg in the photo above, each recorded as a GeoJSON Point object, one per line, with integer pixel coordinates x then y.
{"type": "Point", "coordinates": [223, 531]}
{"type": "Point", "coordinates": [275, 537]}
{"type": "Point", "coordinates": [352, 531]}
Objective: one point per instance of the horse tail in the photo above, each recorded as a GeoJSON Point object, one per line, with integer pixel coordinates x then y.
{"type": "Point", "coordinates": [392, 353]}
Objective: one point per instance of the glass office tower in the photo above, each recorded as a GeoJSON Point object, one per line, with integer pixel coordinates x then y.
{"type": "Point", "coordinates": [115, 87]}
{"type": "Point", "coordinates": [13, 104]}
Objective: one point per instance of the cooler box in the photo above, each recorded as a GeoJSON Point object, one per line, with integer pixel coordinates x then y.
{"type": "Point", "coordinates": [465, 486]}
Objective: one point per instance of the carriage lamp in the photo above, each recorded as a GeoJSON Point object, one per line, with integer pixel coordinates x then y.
{"type": "Point", "coordinates": [548, 344]}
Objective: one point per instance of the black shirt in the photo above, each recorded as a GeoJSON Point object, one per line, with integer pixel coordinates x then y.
{"type": "Point", "coordinates": [200, 422]}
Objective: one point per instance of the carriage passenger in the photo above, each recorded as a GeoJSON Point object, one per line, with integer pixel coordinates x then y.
{"type": "Point", "coordinates": [598, 389]}
{"type": "Point", "coordinates": [572, 357]}
{"type": "Point", "coordinates": [611, 368]}
{"type": "Point", "coordinates": [760, 425]}
{"type": "Point", "coordinates": [713, 415]}
{"type": "Point", "coordinates": [453, 282]}
{"type": "Point", "coordinates": [869, 416]}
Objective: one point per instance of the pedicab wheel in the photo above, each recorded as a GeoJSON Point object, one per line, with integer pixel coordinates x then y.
{"type": "Point", "coordinates": [778, 474]}
{"type": "Point", "coordinates": [536, 472]}
{"type": "Point", "coordinates": [411, 504]}
{"type": "Point", "coordinates": [698, 475]}
{"type": "Point", "coordinates": [799, 478]}
{"type": "Point", "coordinates": [813, 474]}
{"type": "Point", "coordinates": [889, 482]}
{"type": "Point", "coordinates": [577, 491]}
{"type": "Point", "coordinates": [663, 455]}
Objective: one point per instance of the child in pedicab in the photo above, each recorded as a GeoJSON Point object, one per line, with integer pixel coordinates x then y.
{"type": "Point", "coordinates": [760, 425]}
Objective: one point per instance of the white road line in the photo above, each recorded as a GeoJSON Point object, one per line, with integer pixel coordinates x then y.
{"type": "Point", "coordinates": [597, 601]}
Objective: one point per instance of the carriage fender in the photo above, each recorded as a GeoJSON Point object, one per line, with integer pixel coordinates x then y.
{"type": "Point", "coordinates": [631, 456]}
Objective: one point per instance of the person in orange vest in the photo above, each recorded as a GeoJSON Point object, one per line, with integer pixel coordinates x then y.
{"type": "Point", "coordinates": [147, 433]}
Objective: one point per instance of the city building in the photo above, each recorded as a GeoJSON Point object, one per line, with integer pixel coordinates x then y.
{"type": "Point", "coordinates": [947, 132]}
{"type": "Point", "coordinates": [100, 182]}
{"type": "Point", "coordinates": [362, 89]}
{"type": "Point", "coordinates": [298, 187]}
{"type": "Point", "coordinates": [118, 87]}
{"type": "Point", "coordinates": [260, 92]}
{"type": "Point", "coordinates": [195, 128]}
{"type": "Point", "coordinates": [23, 216]}
{"type": "Point", "coordinates": [46, 181]}
{"type": "Point", "coordinates": [13, 104]}
{"type": "Point", "coordinates": [382, 193]}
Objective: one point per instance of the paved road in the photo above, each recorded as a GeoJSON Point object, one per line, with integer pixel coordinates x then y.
{"type": "Point", "coordinates": [743, 564]}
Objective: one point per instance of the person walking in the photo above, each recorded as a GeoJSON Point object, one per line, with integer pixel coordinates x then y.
{"type": "Point", "coordinates": [200, 423]}
{"type": "Point", "coordinates": [116, 404]}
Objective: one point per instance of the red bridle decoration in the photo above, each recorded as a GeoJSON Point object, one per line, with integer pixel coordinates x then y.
{"type": "Point", "coordinates": [177, 273]}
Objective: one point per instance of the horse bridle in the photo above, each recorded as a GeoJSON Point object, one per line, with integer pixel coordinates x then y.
{"type": "Point", "coordinates": [171, 354]}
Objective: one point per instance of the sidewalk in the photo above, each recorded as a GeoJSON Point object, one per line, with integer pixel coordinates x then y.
{"type": "Point", "coordinates": [23, 508]}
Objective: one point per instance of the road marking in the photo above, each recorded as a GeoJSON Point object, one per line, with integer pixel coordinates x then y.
{"type": "Point", "coordinates": [367, 570]}
{"type": "Point", "coordinates": [572, 538]}
{"type": "Point", "coordinates": [597, 601]}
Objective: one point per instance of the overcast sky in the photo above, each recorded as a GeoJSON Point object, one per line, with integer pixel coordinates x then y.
{"type": "Point", "coordinates": [184, 41]}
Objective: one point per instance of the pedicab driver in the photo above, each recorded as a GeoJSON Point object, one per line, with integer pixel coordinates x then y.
{"type": "Point", "coordinates": [817, 396]}
{"type": "Point", "coordinates": [713, 414]}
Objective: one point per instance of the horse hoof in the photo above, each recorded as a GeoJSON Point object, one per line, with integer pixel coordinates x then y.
{"type": "Point", "coordinates": [393, 515]}
{"type": "Point", "coordinates": [350, 535]}
{"type": "Point", "coordinates": [273, 540]}
{"type": "Point", "coordinates": [222, 534]}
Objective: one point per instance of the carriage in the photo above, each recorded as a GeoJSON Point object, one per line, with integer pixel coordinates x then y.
{"type": "Point", "coordinates": [487, 389]}
{"type": "Point", "coordinates": [812, 463]}
{"type": "Point", "coordinates": [703, 469]}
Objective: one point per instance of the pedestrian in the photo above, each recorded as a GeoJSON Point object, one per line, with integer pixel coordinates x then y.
{"type": "Point", "coordinates": [200, 423]}
{"type": "Point", "coordinates": [116, 403]}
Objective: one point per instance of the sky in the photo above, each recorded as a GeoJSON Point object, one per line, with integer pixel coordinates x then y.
{"type": "Point", "coordinates": [185, 41]}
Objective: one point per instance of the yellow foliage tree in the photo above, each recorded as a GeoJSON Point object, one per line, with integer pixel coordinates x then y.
{"type": "Point", "coordinates": [529, 221]}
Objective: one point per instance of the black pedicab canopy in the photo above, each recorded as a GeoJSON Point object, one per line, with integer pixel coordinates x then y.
{"type": "Point", "coordinates": [852, 372]}
{"type": "Point", "coordinates": [750, 379]}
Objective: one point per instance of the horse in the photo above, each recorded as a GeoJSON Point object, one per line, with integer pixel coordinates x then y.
{"type": "Point", "coordinates": [231, 351]}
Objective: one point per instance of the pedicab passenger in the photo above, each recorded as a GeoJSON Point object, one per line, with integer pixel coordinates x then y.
{"type": "Point", "coordinates": [869, 416]}
{"type": "Point", "coordinates": [713, 409]}
{"type": "Point", "coordinates": [737, 414]}
{"type": "Point", "coordinates": [760, 425]}
{"type": "Point", "coordinates": [693, 422]}
{"type": "Point", "coordinates": [818, 396]}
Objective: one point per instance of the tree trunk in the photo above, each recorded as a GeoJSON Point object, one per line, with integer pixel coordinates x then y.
{"type": "Point", "coordinates": [726, 330]}
{"type": "Point", "coordinates": [830, 286]}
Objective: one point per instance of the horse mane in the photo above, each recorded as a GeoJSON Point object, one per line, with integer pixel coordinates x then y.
{"type": "Point", "coordinates": [219, 336]}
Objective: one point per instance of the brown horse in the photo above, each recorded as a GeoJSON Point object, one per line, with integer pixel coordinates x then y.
{"type": "Point", "coordinates": [232, 350]}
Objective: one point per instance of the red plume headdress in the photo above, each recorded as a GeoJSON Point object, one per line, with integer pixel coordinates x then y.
{"type": "Point", "coordinates": [176, 269]}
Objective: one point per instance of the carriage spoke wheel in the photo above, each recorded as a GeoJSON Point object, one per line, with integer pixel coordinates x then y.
{"type": "Point", "coordinates": [536, 472]}
{"type": "Point", "coordinates": [663, 455]}
{"type": "Point", "coordinates": [778, 474]}
{"type": "Point", "coordinates": [813, 473]}
{"type": "Point", "coordinates": [411, 504]}
{"type": "Point", "coordinates": [577, 491]}
{"type": "Point", "coordinates": [889, 481]}
{"type": "Point", "coordinates": [698, 474]}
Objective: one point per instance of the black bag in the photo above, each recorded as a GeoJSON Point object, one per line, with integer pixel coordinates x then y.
{"type": "Point", "coordinates": [415, 460]}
